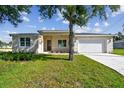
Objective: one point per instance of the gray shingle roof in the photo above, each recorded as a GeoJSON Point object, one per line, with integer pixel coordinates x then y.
{"type": "Point", "coordinates": [66, 31]}
{"type": "Point", "coordinates": [91, 34]}
{"type": "Point", "coordinates": [52, 30]}
{"type": "Point", "coordinates": [24, 34]}
{"type": "Point", "coordinates": [59, 31]}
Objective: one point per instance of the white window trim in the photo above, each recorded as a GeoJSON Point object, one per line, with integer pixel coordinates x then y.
{"type": "Point", "coordinates": [20, 42]}
{"type": "Point", "coordinates": [62, 42]}
{"type": "Point", "coordinates": [24, 42]}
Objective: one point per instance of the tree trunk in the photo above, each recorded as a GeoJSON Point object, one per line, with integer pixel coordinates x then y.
{"type": "Point", "coordinates": [71, 41]}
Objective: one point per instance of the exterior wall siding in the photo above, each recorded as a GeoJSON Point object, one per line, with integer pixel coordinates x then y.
{"type": "Point", "coordinates": [109, 45]}
{"type": "Point", "coordinates": [54, 43]}
{"type": "Point", "coordinates": [16, 44]}
{"type": "Point", "coordinates": [39, 43]}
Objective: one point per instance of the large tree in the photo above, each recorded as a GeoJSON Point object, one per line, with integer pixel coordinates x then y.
{"type": "Point", "coordinates": [76, 15]}
{"type": "Point", "coordinates": [12, 13]}
{"type": "Point", "coordinates": [1, 44]}
{"type": "Point", "coordinates": [118, 36]}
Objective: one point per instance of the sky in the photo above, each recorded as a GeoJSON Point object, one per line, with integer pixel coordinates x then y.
{"type": "Point", "coordinates": [32, 22]}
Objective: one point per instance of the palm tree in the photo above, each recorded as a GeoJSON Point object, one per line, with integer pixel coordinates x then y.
{"type": "Point", "coordinates": [75, 15]}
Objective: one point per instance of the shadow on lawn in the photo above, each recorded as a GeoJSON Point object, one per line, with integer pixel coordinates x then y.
{"type": "Point", "coordinates": [45, 57]}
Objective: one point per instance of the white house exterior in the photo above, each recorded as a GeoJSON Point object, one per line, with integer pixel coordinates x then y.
{"type": "Point", "coordinates": [57, 41]}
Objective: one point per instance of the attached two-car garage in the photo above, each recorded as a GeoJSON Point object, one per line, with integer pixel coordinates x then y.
{"type": "Point", "coordinates": [90, 46]}
{"type": "Point", "coordinates": [94, 44]}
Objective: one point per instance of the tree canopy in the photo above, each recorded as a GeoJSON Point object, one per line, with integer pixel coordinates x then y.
{"type": "Point", "coordinates": [78, 14]}
{"type": "Point", "coordinates": [12, 13]}
{"type": "Point", "coordinates": [119, 36]}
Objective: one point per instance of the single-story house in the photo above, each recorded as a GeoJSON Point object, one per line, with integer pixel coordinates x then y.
{"type": "Point", "coordinates": [58, 41]}
{"type": "Point", "coordinates": [119, 44]}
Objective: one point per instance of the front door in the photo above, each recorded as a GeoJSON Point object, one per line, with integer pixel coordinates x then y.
{"type": "Point", "coordinates": [48, 45]}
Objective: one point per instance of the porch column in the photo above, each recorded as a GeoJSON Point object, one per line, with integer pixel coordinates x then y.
{"type": "Point", "coordinates": [40, 44]}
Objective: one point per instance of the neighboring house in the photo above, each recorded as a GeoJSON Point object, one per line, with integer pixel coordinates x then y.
{"type": "Point", "coordinates": [119, 44]}
{"type": "Point", "coordinates": [6, 46]}
{"type": "Point", "coordinates": [58, 41]}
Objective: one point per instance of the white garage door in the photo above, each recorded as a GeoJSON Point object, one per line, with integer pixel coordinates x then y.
{"type": "Point", "coordinates": [90, 46]}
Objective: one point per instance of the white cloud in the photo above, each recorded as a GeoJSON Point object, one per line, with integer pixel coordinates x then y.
{"type": "Point", "coordinates": [115, 13]}
{"type": "Point", "coordinates": [9, 32]}
{"type": "Point", "coordinates": [40, 20]}
{"type": "Point", "coordinates": [88, 23]}
{"type": "Point", "coordinates": [24, 13]}
{"type": "Point", "coordinates": [106, 24]}
{"type": "Point", "coordinates": [7, 38]}
{"type": "Point", "coordinates": [96, 24]}
{"type": "Point", "coordinates": [107, 15]}
{"type": "Point", "coordinates": [31, 26]}
{"type": "Point", "coordinates": [44, 28]}
{"type": "Point", "coordinates": [1, 39]}
{"type": "Point", "coordinates": [52, 28]}
{"type": "Point", "coordinates": [5, 35]}
{"type": "Point", "coordinates": [122, 8]}
{"type": "Point", "coordinates": [25, 18]}
{"type": "Point", "coordinates": [14, 32]}
{"type": "Point", "coordinates": [78, 29]}
{"type": "Point", "coordinates": [60, 17]}
{"type": "Point", "coordinates": [65, 22]}
{"type": "Point", "coordinates": [57, 19]}
{"type": "Point", "coordinates": [97, 30]}
{"type": "Point", "coordinates": [120, 11]}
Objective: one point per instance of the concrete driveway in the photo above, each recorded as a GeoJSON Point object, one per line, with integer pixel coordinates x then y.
{"type": "Point", "coordinates": [113, 61]}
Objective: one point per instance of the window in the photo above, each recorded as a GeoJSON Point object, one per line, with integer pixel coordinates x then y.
{"type": "Point", "coordinates": [25, 42]}
{"type": "Point", "coordinates": [61, 43]}
{"type": "Point", "coordinates": [22, 41]}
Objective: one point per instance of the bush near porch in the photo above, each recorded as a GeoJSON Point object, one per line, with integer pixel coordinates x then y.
{"type": "Point", "coordinates": [57, 71]}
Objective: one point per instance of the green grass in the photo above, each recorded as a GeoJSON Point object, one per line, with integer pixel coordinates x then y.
{"type": "Point", "coordinates": [57, 71]}
{"type": "Point", "coordinates": [118, 51]}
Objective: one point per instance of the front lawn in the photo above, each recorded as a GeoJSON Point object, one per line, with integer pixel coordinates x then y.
{"type": "Point", "coordinates": [118, 51]}
{"type": "Point", "coordinates": [57, 71]}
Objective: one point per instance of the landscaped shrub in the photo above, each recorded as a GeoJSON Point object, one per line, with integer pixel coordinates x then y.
{"type": "Point", "coordinates": [1, 55]}
{"type": "Point", "coordinates": [9, 56]}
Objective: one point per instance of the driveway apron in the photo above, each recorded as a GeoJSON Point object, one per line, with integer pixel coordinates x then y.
{"type": "Point", "coordinates": [113, 61]}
